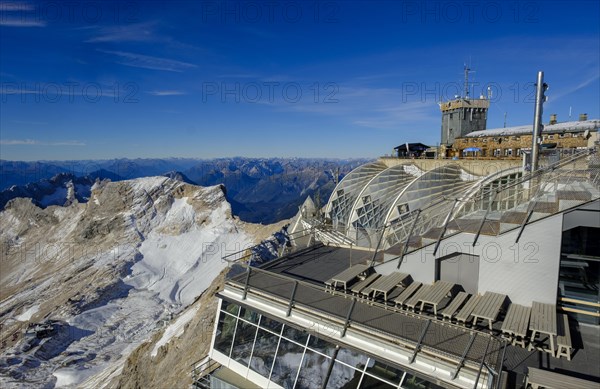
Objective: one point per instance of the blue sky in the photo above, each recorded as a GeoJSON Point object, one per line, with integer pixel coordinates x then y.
{"type": "Point", "coordinates": [98, 80]}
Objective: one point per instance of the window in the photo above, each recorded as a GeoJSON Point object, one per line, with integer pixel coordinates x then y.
{"type": "Point", "coordinates": [287, 363]}
{"type": "Point", "coordinates": [263, 354]}
{"type": "Point", "coordinates": [225, 330]}
{"type": "Point", "coordinates": [508, 152]}
{"type": "Point", "coordinates": [497, 152]}
{"type": "Point", "coordinates": [518, 152]}
{"type": "Point", "coordinates": [550, 136]}
{"type": "Point", "coordinates": [562, 135]}
{"type": "Point", "coordinates": [293, 359]}
{"type": "Point", "coordinates": [579, 273]}
{"type": "Point", "coordinates": [244, 339]}
{"type": "Point", "coordinates": [484, 140]}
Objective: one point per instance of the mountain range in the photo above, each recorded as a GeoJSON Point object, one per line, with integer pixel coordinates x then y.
{"type": "Point", "coordinates": [260, 190]}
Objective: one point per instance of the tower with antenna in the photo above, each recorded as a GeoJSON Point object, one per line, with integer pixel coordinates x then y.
{"type": "Point", "coordinates": [463, 114]}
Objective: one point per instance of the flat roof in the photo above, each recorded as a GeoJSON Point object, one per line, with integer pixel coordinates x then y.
{"type": "Point", "coordinates": [319, 263]}
{"type": "Point", "coordinates": [277, 279]}
{"type": "Point", "coordinates": [578, 126]}
{"type": "Point", "coordinates": [314, 265]}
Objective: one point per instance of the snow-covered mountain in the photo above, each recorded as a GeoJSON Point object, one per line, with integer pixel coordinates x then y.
{"type": "Point", "coordinates": [83, 285]}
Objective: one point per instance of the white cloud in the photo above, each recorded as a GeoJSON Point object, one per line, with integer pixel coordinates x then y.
{"type": "Point", "coordinates": [10, 21]}
{"type": "Point", "coordinates": [166, 93]}
{"type": "Point", "coordinates": [34, 142]}
{"type": "Point", "coordinates": [149, 62]}
{"type": "Point", "coordinates": [14, 6]}
{"type": "Point", "coordinates": [18, 14]}
{"type": "Point", "coordinates": [138, 32]}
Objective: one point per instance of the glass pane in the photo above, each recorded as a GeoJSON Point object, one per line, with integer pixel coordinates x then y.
{"type": "Point", "coordinates": [313, 370]}
{"type": "Point", "coordinates": [225, 329]}
{"type": "Point", "coordinates": [270, 324]}
{"type": "Point", "coordinates": [321, 346]}
{"type": "Point", "coordinates": [384, 371]}
{"type": "Point", "coordinates": [244, 338]}
{"type": "Point", "coordinates": [249, 315]}
{"type": "Point", "coordinates": [352, 358]}
{"type": "Point", "coordinates": [414, 382]}
{"type": "Point", "coordinates": [230, 307]}
{"type": "Point", "coordinates": [264, 351]}
{"type": "Point", "coordinates": [296, 335]}
{"type": "Point", "coordinates": [287, 363]}
{"type": "Point", "coordinates": [369, 382]}
{"type": "Point", "coordinates": [343, 377]}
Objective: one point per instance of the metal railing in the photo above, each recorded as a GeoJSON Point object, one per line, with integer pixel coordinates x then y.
{"type": "Point", "coordinates": [529, 195]}
{"type": "Point", "coordinates": [575, 178]}
{"type": "Point", "coordinates": [201, 371]}
{"type": "Point", "coordinates": [282, 243]}
{"type": "Point", "coordinates": [286, 296]}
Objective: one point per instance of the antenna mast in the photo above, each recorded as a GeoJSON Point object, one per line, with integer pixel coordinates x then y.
{"type": "Point", "coordinates": [467, 70]}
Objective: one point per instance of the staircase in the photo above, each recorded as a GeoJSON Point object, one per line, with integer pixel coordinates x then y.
{"type": "Point", "coordinates": [557, 188]}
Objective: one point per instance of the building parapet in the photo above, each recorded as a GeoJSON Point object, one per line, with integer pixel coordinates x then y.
{"type": "Point", "coordinates": [464, 103]}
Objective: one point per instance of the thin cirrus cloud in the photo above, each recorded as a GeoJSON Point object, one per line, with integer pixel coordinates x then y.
{"type": "Point", "coordinates": [19, 14]}
{"type": "Point", "coordinates": [19, 22]}
{"type": "Point", "coordinates": [138, 32]}
{"type": "Point", "coordinates": [166, 93]}
{"type": "Point", "coordinates": [34, 142]}
{"type": "Point", "coordinates": [149, 62]}
{"type": "Point", "coordinates": [14, 6]}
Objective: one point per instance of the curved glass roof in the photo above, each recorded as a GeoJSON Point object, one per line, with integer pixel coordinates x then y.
{"type": "Point", "coordinates": [434, 183]}
{"type": "Point", "coordinates": [373, 203]}
{"type": "Point", "coordinates": [427, 189]}
{"type": "Point", "coordinates": [344, 195]}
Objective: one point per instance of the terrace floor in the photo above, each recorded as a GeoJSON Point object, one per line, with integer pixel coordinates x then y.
{"type": "Point", "coordinates": [319, 263]}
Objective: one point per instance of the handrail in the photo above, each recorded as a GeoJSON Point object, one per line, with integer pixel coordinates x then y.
{"type": "Point", "coordinates": [294, 283]}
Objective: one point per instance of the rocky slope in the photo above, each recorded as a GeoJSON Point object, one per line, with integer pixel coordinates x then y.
{"type": "Point", "coordinates": [83, 285]}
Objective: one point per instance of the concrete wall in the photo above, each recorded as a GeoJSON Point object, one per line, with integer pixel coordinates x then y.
{"type": "Point", "coordinates": [526, 272]}
{"type": "Point", "coordinates": [477, 167]}
{"type": "Point", "coordinates": [461, 121]}
{"type": "Point", "coordinates": [586, 216]}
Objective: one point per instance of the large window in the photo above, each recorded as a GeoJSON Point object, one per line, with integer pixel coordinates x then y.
{"type": "Point", "coordinates": [293, 358]}
{"type": "Point", "coordinates": [579, 276]}
{"type": "Point", "coordinates": [225, 331]}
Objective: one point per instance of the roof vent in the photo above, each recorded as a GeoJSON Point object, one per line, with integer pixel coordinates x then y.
{"type": "Point", "coordinates": [582, 117]}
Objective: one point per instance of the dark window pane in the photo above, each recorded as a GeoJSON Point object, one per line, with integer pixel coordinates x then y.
{"type": "Point", "coordinates": [321, 346]}
{"type": "Point", "coordinates": [343, 377]}
{"type": "Point", "coordinates": [242, 346]}
{"type": "Point", "coordinates": [270, 324]}
{"type": "Point", "coordinates": [413, 382]}
{"type": "Point", "coordinates": [230, 307]}
{"type": "Point", "coordinates": [313, 370]}
{"type": "Point", "coordinates": [287, 363]}
{"type": "Point", "coordinates": [296, 335]}
{"type": "Point", "coordinates": [249, 315]}
{"type": "Point", "coordinates": [384, 371]}
{"type": "Point", "coordinates": [264, 351]}
{"type": "Point", "coordinates": [369, 382]}
{"type": "Point", "coordinates": [225, 329]}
